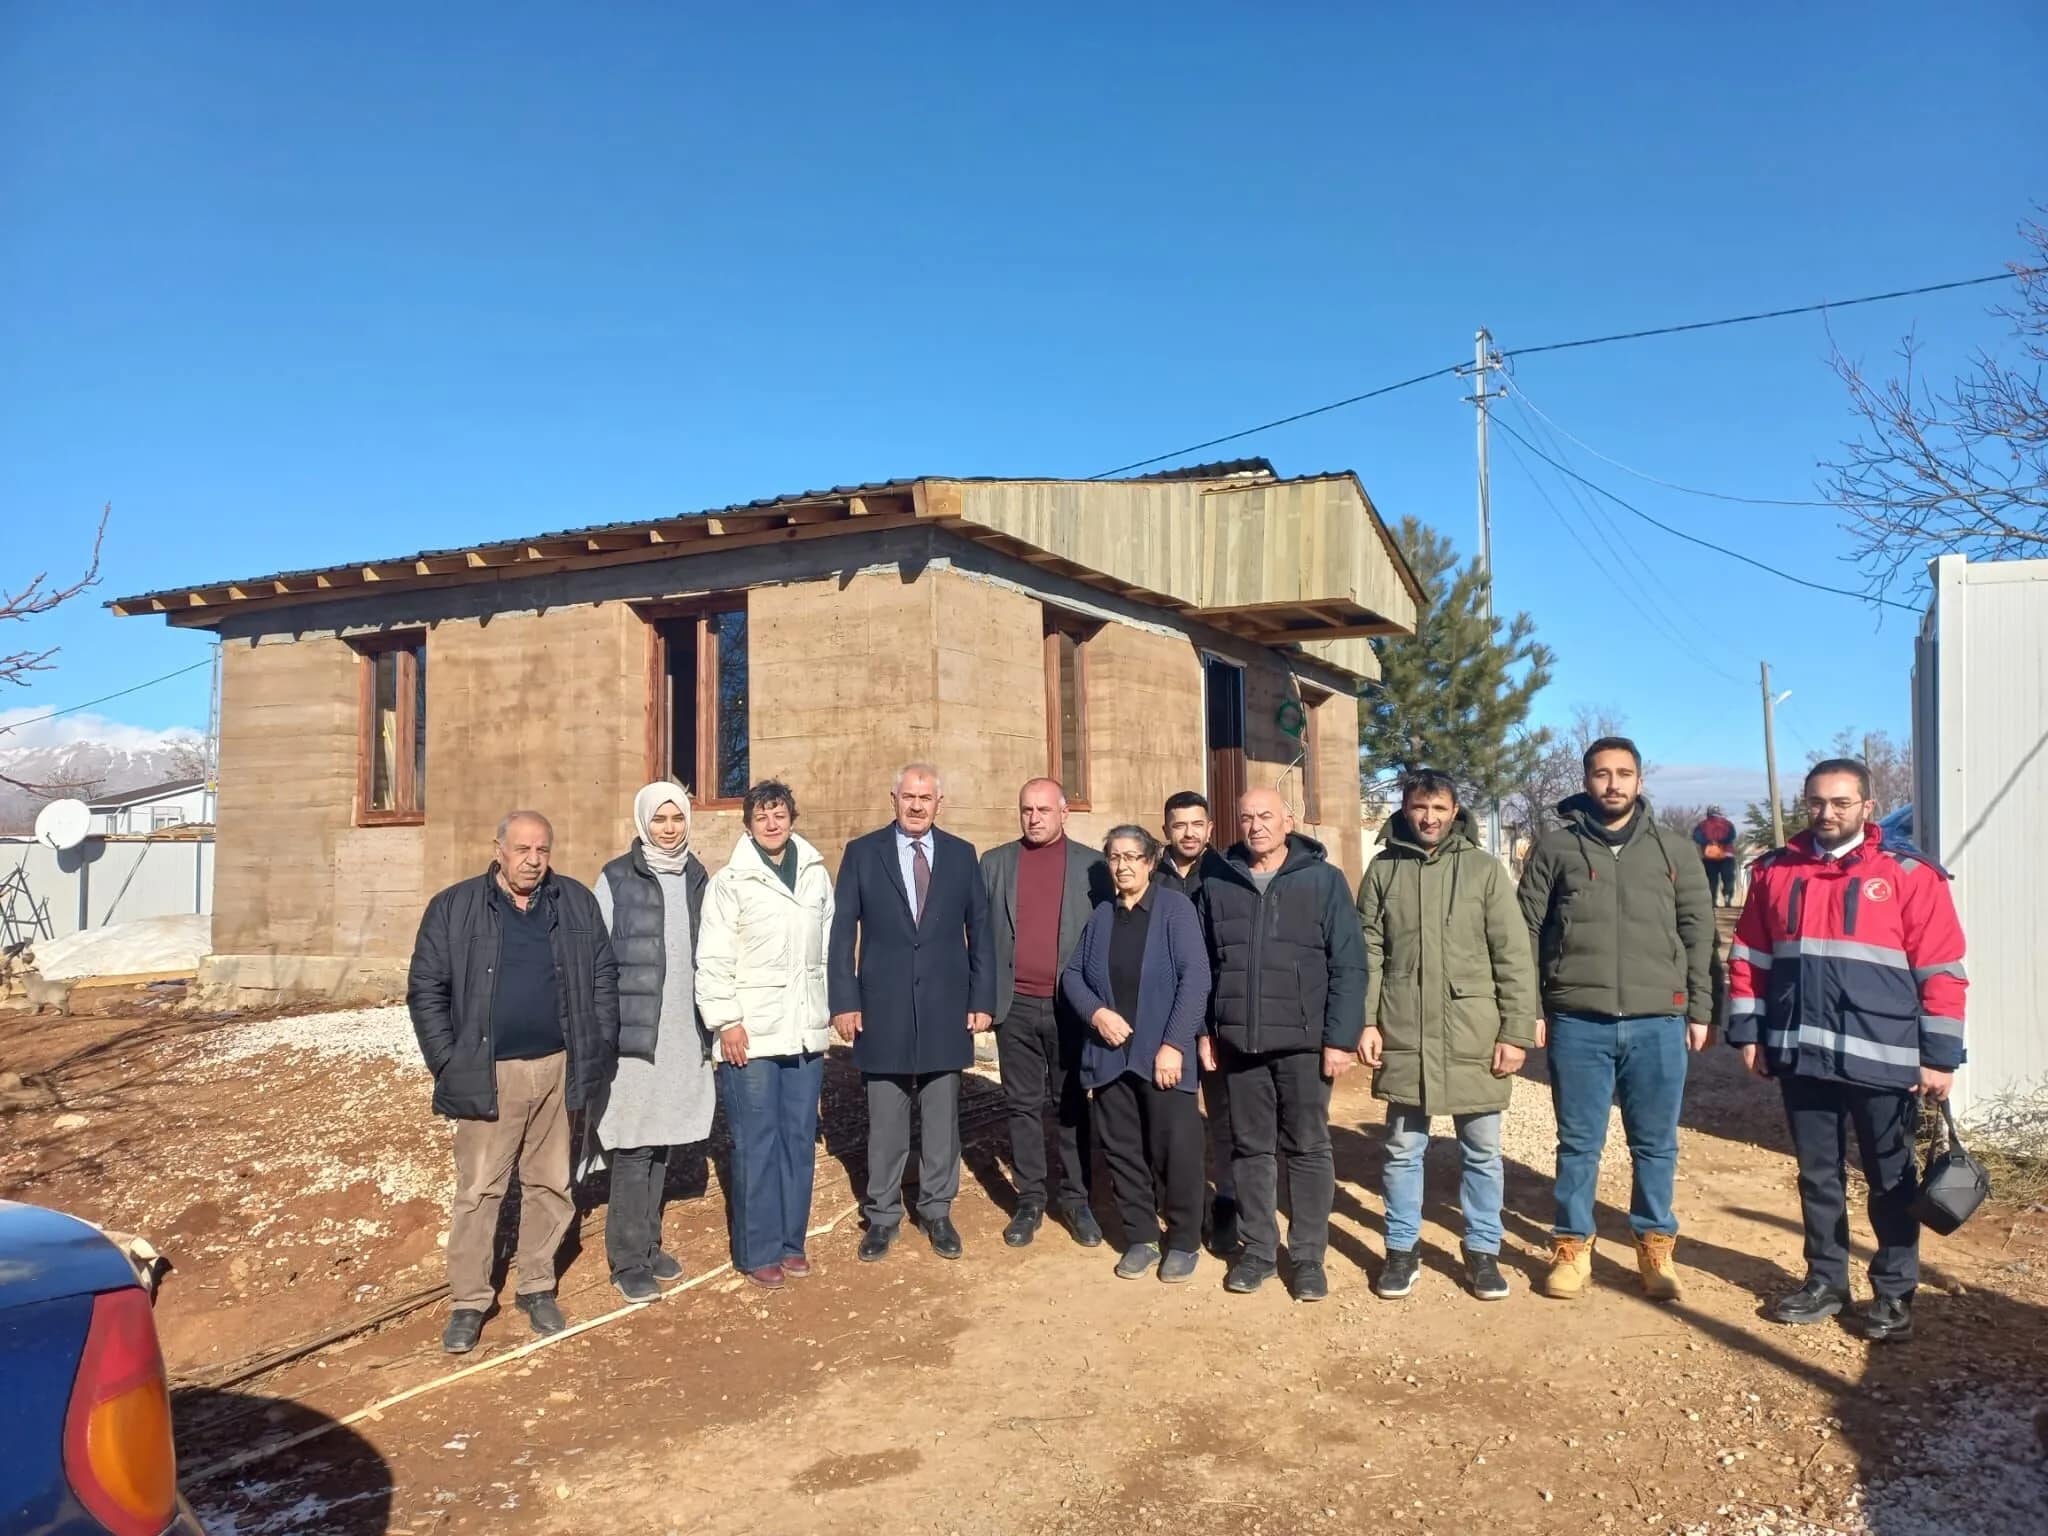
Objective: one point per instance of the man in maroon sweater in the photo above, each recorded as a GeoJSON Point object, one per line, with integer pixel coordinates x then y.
{"type": "Point", "coordinates": [1041, 891]}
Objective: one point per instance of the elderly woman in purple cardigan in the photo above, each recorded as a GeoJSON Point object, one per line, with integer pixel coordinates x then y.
{"type": "Point", "coordinates": [1140, 980]}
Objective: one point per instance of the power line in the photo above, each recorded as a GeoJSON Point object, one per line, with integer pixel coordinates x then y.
{"type": "Point", "coordinates": [1334, 405]}
{"type": "Point", "coordinates": [1765, 314]}
{"type": "Point", "coordinates": [1560, 346]}
{"type": "Point", "coordinates": [1680, 533]}
{"type": "Point", "coordinates": [1624, 550]}
{"type": "Point", "coordinates": [72, 709]}
{"type": "Point", "coordinates": [1522, 396]}
{"type": "Point", "coordinates": [1626, 583]}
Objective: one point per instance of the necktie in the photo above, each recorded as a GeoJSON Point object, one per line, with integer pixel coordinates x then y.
{"type": "Point", "coordinates": [920, 876]}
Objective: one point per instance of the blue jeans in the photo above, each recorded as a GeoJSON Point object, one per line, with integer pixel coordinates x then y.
{"type": "Point", "coordinates": [771, 1108]}
{"type": "Point", "coordinates": [1479, 1191]}
{"type": "Point", "coordinates": [1593, 1061]}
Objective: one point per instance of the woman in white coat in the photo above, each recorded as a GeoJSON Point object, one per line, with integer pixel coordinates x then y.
{"type": "Point", "coordinates": [761, 987]}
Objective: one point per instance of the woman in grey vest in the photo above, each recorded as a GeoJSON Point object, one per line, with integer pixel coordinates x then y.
{"type": "Point", "coordinates": [652, 897]}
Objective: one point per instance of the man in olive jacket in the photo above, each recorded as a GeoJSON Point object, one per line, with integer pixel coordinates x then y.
{"type": "Point", "coordinates": [1623, 930]}
{"type": "Point", "coordinates": [1450, 1008]}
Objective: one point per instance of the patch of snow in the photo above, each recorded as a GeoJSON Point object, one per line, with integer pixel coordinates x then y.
{"type": "Point", "coordinates": [128, 949]}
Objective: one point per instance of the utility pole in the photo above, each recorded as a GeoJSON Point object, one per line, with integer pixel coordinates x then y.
{"type": "Point", "coordinates": [1771, 763]}
{"type": "Point", "coordinates": [210, 796]}
{"type": "Point", "coordinates": [1485, 361]}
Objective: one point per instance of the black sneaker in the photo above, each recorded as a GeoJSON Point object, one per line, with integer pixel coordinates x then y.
{"type": "Point", "coordinates": [1814, 1302]}
{"type": "Point", "coordinates": [1223, 1236]}
{"type": "Point", "coordinates": [465, 1327]}
{"type": "Point", "coordinates": [1397, 1276]}
{"type": "Point", "coordinates": [1889, 1320]}
{"type": "Point", "coordinates": [636, 1285]}
{"type": "Point", "coordinates": [1310, 1283]}
{"type": "Point", "coordinates": [1482, 1272]}
{"type": "Point", "coordinates": [666, 1268]}
{"type": "Point", "coordinates": [1248, 1274]}
{"type": "Point", "coordinates": [543, 1312]}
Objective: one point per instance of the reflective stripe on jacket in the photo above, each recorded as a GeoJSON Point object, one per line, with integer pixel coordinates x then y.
{"type": "Point", "coordinates": [1850, 968]}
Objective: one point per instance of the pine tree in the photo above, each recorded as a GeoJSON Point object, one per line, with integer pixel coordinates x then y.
{"type": "Point", "coordinates": [1454, 695]}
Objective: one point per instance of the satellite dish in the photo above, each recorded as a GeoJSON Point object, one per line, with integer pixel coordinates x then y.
{"type": "Point", "coordinates": [62, 824]}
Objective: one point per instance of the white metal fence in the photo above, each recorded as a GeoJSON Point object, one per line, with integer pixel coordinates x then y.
{"type": "Point", "coordinates": [103, 880]}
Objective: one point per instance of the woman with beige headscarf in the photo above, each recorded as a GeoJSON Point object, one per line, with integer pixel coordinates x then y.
{"type": "Point", "coordinates": [663, 1096]}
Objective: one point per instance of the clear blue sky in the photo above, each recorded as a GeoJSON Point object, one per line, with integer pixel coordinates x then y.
{"type": "Point", "coordinates": [290, 285]}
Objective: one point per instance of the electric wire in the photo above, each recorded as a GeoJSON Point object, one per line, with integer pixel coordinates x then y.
{"type": "Point", "coordinates": [1625, 550]}
{"type": "Point", "coordinates": [1679, 533]}
{"type": "Point", "coordinates": [72, 709]}
{"type": "Point", "coordinates": [1625, 583]}
{"type": "Point", "coordinates": [2010, 275]}
{"type": "Point", "coordinates": [2007, 276]}
{"type": "Point", "coordinates": [1319, 410]}
{"type": "Point", "coordinates": [1522, 398]}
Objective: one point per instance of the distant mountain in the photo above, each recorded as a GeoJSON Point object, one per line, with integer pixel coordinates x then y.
{"type": "Point", "coordinates": [87, 769]}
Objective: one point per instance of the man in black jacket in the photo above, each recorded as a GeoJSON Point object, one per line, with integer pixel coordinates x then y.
{"type": "Point", "coordinates": [912, 980]}
{"type": "Point", "coordinates": [514, 995]}
{"type": "Point", "coordinates": [1286, 1011]}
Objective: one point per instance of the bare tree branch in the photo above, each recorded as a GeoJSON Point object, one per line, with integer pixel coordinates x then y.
{"type": "Point", "coordinates": [38, 598]}
{"type": "Point", "coordinates": [1961, 473]}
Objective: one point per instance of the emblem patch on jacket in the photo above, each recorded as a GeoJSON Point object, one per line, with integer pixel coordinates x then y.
{"type": "Point", "coordinates": [1877, 890]}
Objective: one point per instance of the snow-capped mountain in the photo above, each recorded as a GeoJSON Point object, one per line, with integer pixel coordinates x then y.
{"type": "Point", "coordinates": [85, 759]}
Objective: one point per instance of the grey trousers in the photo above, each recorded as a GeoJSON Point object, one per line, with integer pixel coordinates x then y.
{"type": "Point", "coordinates": [938, 1162]}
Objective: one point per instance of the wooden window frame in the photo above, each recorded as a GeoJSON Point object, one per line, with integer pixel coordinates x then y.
{"type": "Point", "coordinates": [1222, 805]}
{"type": "Point", "coordinates": [1312, 702]}
{"type": "Point", "coordinates": [404, 778]}
{"type": "Point", "coordinates": [659, 723]}
{"type": "Point", "coordinates": [1080, 629]}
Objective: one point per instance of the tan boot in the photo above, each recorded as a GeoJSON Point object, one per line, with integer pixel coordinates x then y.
{"type": "Point", "coordinates": [1571, 1267]}
{"type": "Point", "coordinates": [1656, 1266]}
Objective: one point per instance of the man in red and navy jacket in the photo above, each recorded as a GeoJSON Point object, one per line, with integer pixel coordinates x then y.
{"type": "Point", "coordinates": [1846, 984]}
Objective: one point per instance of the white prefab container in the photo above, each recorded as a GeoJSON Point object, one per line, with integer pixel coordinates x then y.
{"type": "Point", "coordinates": [1980, 806]}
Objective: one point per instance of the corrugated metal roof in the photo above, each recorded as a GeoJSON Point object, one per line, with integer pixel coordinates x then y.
{"type": "Point", "coordinates": [1220, 470]}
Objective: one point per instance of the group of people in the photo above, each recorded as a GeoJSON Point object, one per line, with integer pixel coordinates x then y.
{"type": "Point", "coordinates": [1125, 983]}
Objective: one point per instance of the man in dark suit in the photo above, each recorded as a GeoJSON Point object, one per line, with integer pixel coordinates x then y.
{"type": "Point", "coordinates": [1041, 891]}
{"type": "Point", "coordinates": [912, 907]}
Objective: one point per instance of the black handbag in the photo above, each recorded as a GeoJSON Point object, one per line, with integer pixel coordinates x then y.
{"type": "Point", "coordinates": [1953, 1185]}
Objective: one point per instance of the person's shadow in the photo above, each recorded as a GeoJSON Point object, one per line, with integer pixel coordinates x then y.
{"type": "Point", "coordinates": [334, 1485]}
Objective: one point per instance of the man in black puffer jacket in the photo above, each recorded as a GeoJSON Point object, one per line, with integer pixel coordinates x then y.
{"type": "Point", "coordinates": [1286, 1011]}
{"type": "Point", "coordinates": [514, 995]}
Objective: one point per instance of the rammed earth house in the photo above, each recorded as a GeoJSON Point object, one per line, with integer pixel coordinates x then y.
{"type": "Point", "coordinates": [1201, 629]}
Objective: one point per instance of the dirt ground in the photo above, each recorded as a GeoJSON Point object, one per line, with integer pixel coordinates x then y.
{"type": "Point", "coordinates": [289, 1168]}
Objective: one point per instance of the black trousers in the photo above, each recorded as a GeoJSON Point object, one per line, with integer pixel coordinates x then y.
{"type": "Point", "coordinates": [1280, 1108]}
{"type": "Point", "coordinates": [1720, 879]}
{"type": "Point", "coordinates": [1822, 1115]}
{"type": "Point", "coordinates": [1038, 1048]}
{"type": "Point", "coordinates": [632, 1221]}
{"type": "Point", "coordinates": [1152, 1141]}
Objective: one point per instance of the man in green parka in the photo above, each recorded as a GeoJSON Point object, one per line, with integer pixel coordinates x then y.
{"type": "Point", "coordinates": [1450, 1011]}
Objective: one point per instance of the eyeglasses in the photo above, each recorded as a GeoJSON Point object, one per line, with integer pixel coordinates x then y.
{"type": "Point", "coordinates": [1128, 858]}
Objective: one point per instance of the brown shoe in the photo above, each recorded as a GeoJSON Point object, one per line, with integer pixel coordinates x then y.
{"type": "Point", "coordinates": [1571, 1267]}
{"type": "Point", "coordinates": [1656, 1266]}
{"type": "Point", "coordinates": [771, 1278]}
{"type": "Point", "coordinates": [797, 1267]}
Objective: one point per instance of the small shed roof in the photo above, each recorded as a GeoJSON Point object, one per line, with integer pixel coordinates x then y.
{"type": "Point", "coordinates": [144, 796]}
{"type": "Point", "coordinates": [1303, 561]}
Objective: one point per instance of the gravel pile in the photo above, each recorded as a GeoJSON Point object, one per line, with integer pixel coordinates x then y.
{"type": "Point", "coordinates": [358, 1034]}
